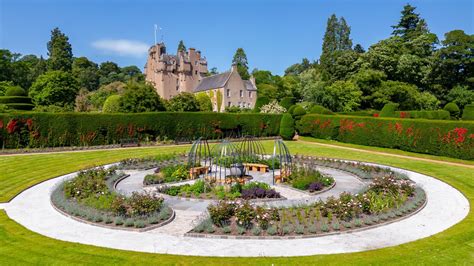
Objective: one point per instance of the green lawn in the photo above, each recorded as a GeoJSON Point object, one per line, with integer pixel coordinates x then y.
{"type": "Point", "coordinates": [18, 245]}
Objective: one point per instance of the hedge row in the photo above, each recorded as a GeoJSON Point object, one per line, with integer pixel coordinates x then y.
{"type": "Point", "coordinates": [434, 114]}
{"type": "Point", "coordinates": [15, 99]}
{"type": "Point", "coordinates": [18, 130]}
{"type": "Point", "coordinates": [445, 138]}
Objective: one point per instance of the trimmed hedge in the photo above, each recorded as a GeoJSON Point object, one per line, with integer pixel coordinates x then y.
{"type": "Point", "coordinates": [21, 106]}
{"type": "Point", "coordinates": [318, 109]}
{"type": "Point", "coordinates": [287, 127]}
{"type": "Point", "coordinates": [388, 110]}
{"type": "Point", "coordinates": [468, 112]}
{"type": "Point", "coordinates": [435, 114]}
{"type": "Point", "coordinates": [15, 99]}
{"type": "Point", "coordinates": [445, 138]}
{"type": "Point", "coordinates": [18, 130]}
{"type": "Point", "coordinates": [453, 109]}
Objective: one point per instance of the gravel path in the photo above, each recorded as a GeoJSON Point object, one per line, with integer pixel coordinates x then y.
{"type": "Point", "coordinates": [32, 208]}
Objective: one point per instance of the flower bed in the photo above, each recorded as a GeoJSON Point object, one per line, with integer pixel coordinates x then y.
{"type": "Point", "coordinates": [167, 174]}
{"type": "Point", "coordinates": [203, 190]}
{"type": "Point", "coordinates": [150, 162]}
{"type": "Point", "coordinates": [309, 179]}
{"type": "Point", "coordinates": [387, 199]}
{"type": "Point", "coordinates": [90, 197]}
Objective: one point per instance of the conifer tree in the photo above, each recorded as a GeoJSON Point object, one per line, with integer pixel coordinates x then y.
{"type": "Point", "coordinates": [181, 47]}
{"type": "Point", "coordinates": [59, 51]}
{"type": "Point", "coordinates": [240, 59]}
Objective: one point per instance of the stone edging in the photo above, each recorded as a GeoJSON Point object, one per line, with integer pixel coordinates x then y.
{"type": "Point", "coordinates": [200, 235]}
{"type": "Point", "coordinates": [123, 228]}
{"type": "Point", "coordinates": [215, 200]}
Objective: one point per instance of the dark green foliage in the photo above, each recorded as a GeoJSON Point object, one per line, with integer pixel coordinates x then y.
{"type": "Point", "coordinates": [261, 101]}
{"type": "Point", "coordinates": [21, 106]}
{"type": "Point", "coordinates": [388, 110]}
{"type": "Point", "coordinates": [140, 97]}
{"type": "Point", "coordinates": [468, 112]}
{"type": "Point", "coordinates": [298, 112]}
{"type": "Point", "coordinates": [181, 46]}
{"type": "Point", "coordinates": [287, 127]}
{"type": "Point", "coordinates": [453, 109]}
{"type": "Point", "coordinates": [183, 102]}
{"type": "Point", "coordinates": [17, 102]}
{"type": "Point", "coordinates": [78, 129]}
{"type": "Point", "coordinates": [287, 102]}
{"type": "Point", "coordinates": [318, 109]}
{"type": "Point", "coordinates": [410, 25]}
{"type": "Point", "coordinates": [444, 138]}
{"type": "Point", "coordinates": [59, 51]}
{"type": "Point", "coordinates": [15, 91]}
{"type": "Point", "coordinates": [240, 60]}
{"type": "Point", "coordinates": [291, 109]}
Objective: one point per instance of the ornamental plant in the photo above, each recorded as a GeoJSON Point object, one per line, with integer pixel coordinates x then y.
{"type": "Point", "coordinates": [272, 108]}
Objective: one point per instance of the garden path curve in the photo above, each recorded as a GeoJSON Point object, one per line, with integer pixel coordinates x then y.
{"type": "Point", "coordinates": [446, 206]}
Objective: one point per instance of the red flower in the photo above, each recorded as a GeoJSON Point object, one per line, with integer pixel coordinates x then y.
{"type": "Point", "coordinates": [12, 126]}
{"type": "Point", "coordinates": [29, 123]}
{"type": "Point", "coordinates": [404, 115]}
{"type": "Point", "coordinates": [398, 128]}
{"type": "Point", "coordinates": [376, 114]}
{"type": "Point", "coordinates": [461, 132]}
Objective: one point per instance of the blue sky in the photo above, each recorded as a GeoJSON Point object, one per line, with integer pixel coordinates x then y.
{"type": "Point", "coordinates": [274, 34]}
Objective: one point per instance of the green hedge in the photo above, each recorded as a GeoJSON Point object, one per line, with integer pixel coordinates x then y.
{"type": "Point", "coordinates": [83, 129]}
{"type": "Point", "coordinates": [445, 138]}
{"type": "Point", "coordinates": [468, 112]}
{"type": "Point", "coordinates": [435, 114]}
{"type": "Point", "coordinates": [15, 99]}
{"type": "Point", "coordinates": [21, 106]}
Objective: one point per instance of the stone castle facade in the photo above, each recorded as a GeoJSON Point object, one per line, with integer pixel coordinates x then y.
{"type": "Point", "coordinates": [187, 72]}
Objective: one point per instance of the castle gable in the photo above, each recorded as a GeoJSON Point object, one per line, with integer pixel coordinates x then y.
{"type": "Point", "coordinates": [213, 82]}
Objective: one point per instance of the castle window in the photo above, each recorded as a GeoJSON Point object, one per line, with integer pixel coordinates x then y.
{"type": "Point", "coordinates": [228, 93]}
{"type": "Point", "coordinates": [250, 94]}
{"type": "Point", "coordinates": [241, 94]}
{"type": "Point", "coordinates": [196, 72]}
{"type": "Point", "coordinates": [228, 104]}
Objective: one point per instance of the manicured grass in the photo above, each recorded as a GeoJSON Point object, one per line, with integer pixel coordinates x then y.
{"type": "Point", "coordinates": [18, 245]}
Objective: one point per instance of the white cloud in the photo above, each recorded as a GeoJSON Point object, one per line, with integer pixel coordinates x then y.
{"type": "Point", "coordinates": [122, 47]}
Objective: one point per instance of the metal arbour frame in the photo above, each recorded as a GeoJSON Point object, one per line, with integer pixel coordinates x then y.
{"type": "Point", "coordinates": [283, 156]}
{"type": "Point", "coordinates": [200, 154]}
{"type": "Point", "coordinates": [227, 161]}
{"type": "Point", "coordinates": [251, 148]}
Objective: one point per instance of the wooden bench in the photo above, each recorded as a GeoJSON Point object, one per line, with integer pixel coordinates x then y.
{"type": "Point", "coordinates": [262, 168]}
{"type": "Point", "coordinates": [197, 171]}
{"type": "Point", "coordinates": [129, 143]}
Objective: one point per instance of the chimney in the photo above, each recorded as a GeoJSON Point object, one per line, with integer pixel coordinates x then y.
{"type": "Point", "coordinates": [233, 68]}
{"type": "Point", "coordinates": [252, 80]}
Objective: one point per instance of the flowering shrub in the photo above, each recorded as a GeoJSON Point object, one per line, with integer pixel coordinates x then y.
{"type": "Point", "coordinates": [87, 183]}
{"type": "Point", "coordinates": [272, 108]}
{"type": "Point", "coordinates": [143, 204]}
{"type": "Point", "coordinates": [303, 177]}
{"type": "Point", "coordinates": [244, 213]}
{"type": "Point", "coordinates": [258, 193]}
{"type": "Point", "coordinates": [447, 138]}
{"type": "Point", "coordinates": [221, 212]}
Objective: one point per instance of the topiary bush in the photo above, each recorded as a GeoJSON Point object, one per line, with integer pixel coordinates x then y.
{"type": "Point", "coordinates": [112, 104]}
{"type": "Point", "coordinates": [468, 112]}
{"type": "Point", "coordinates": [388, 110]}
{"type": "Point", "coordinates": [291, 109]}
{"type": "Point", "coordinates": [318, 109]}
{"type": "Point", "coordinates": [15, 91]}
{"type": "Point", "coordinates": [287, 127]}
{"type": "Point", "coordinates": [298, 112]}
{"type": "Point", "coordinates": [453, 109]}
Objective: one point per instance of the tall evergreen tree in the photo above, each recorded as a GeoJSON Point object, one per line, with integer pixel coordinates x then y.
{"type": "Point", "coordinates": [181, 46]}
{"type": "Point", "coordinates": [59, 51]}
{"type": "Point", "coordinates": [411, 25]}
{"type": "Point", "coordinates": [344, 32]}
{"type": "Point", "coordinates": [359, 49]}
{"type": "Point", "coordinates": [329, 41]}
{"type": "Point", "coordinates": [240, 59]}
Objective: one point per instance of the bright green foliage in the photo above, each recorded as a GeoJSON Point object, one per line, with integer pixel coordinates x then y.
{"type": "Point", "coordinates": [388, 110]}
{"type": "Point", "coordinates": [298, 112]}
{"type": "Point", "coordinates": [261, 101]}
{"type": "Point", "coordinates": [406, 95]}
{"type": "Point", "coordinates": [461, 95]}
{"type": "Point", "coordinates": [15, 91]}
{"type": "Point", "coordinates": [468, 112]}
{"type": "Point", "coordinates": [318, 109]}
{"type": "Point", "coordinates": [453, 109]}
{"type": "Point", "coordinates": [344, 96]}
{"type": "Point", "coordinates": [112, 104]}
{"type": "Point", "coordinates": [140, 98]}
{"type": "Point", "coordinates": [240, 59]}
{"type": "Point", "coordinates": [54, 88]}
{"type": "Point", "coordinates": [298, 68]}
{"type": "Point", "coordinates": [98, 97]}
{"type": "Point", "coordinates": [183, 102]}
{"type": "Point", "coordinates": [287, 102]}
{"type": "Point", "coordinates": [416, 135]}
{"type": "Point", "coordinates": [204, 101]}
{"type": "Point", "coordinates": [287, 127]}
{"type": "Point", "coordinates": [78, 129]}
{"type": "Point", "coordinates": [434, 114]}
{"type": "Point", "coordinates": [291, 109]}
{"type": "Point", "coordinates": [59, 51]}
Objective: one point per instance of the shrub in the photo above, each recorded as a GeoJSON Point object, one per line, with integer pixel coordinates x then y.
{"type": "Point", "coordinates": [244, 214]}
{"type": "Point", "coordinates": [298, 112]}
{"type": "Point", "coordinates": [221, 212]}
{"type": "Point", "coordinates": [388, 110]}
{"type": "Point", "coordinates": [318, 109]}
{"type": "Point", "coordinates": [143, 204]}
{"type": "Point", "coordinates": [453, 109]}
{"type": "Point", "coordinates": [468, 112]}
{"type": "Point", "coordinates": [291, 109]}
{"type": "Point", "coordinates": [112, 104]}
{"type": "Point", "coordinates": [261, 101]}
{"type": "Point", "coordinates": [445, 138]}
{"type": "Point", "coordinates": [15, 91]}
{"type": "Point", "coordinates": [272, 108]}
{"type": "Point", "coordinates": [287, 127]}
{"type": "Point", "coordinates": [287, 102]}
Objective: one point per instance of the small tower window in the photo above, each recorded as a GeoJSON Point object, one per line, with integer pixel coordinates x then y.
{"type": "Point", "coordinates": [250, 94]}
{"type": "Point", "coordinates": [228, 93]}
{"type": "Point", "coordinates": [241, 94]}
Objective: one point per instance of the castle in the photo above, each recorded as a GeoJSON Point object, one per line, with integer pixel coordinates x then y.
{"type": "Point", "coordinates": [187, 72]}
